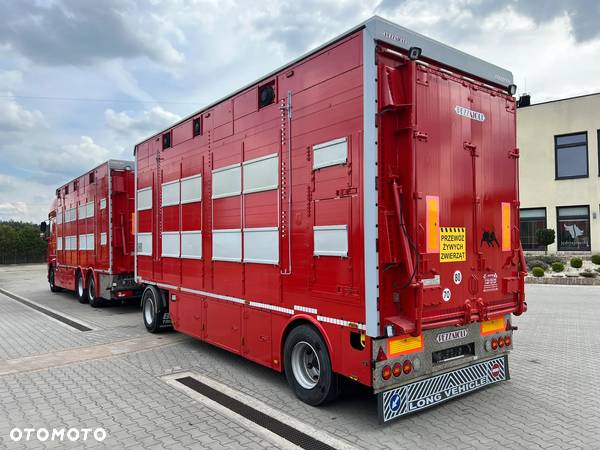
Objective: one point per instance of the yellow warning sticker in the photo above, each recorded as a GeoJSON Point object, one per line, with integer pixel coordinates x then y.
{"type": "Point", "coordinates": [453, 244]}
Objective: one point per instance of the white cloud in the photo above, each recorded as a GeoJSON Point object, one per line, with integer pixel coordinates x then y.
{"type": "Point", "coordinates": [132, 129]}
{"type": "Point", "coordinates": [14, 210]}
{"type": "Point", "coordinates": [13, 117]}
{"type": "Point", "coordinates": [73, 159]}
{"type": "Point", "coordinates": [152, 119]}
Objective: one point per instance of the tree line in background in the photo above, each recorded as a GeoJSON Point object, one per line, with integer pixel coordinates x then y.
{"type": "Point", "coordinates": [21, 242]}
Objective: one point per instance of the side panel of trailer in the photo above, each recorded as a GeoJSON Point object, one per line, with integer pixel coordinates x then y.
{"type": "Point", "coordinates": [247, 237]}
{"type": "Point", "coordinates": [93, 232]}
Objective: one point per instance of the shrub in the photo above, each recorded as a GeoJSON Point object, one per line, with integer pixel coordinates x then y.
{"type": "Point", "coordinates": [596, 259]}
{"type": "Point", "coordinates": [576, 263]}
{"type": "Point", "coordinates": [549, 259]}
{"type": "Point", "coordinates": [537, 272]}
{"type": "Point", "coordinates": [545, 236]}
{"type": "Point", "coordinates": [558, 266]}
{"type": "Point", "coordinates": [588, 274]}
{"type": "Point", "coordinates": [536, 262]}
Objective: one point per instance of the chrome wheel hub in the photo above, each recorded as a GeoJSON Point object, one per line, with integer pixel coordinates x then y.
{"type": "Point", "coordinates": [306, 365]}
{"type": "Point", "coordinates": [148, 311]}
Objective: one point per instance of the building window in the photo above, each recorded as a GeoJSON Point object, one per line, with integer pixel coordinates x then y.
{"type": "Point", "coordinates": [573, 228]}
{"type": "Point", "coordinates": [532, 219]}
{"type": "Point", "coordinates": [571, 156]}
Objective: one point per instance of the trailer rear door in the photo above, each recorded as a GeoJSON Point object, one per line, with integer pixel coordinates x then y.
{"type": "Point", "coordinates": [466, 185]}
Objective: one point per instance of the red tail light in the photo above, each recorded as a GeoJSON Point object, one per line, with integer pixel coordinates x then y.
{"type": "Point", "coordinates": [380, 355]}
{"type": "Point", "coordinates": [507, 340]}
{"type": "Point", "coordinates": [501, 341]}
{"type": "Point", "coordinates": [407, 367]}
{"type": "Point", "coordinates": [386, 372]}
{"type": "Point", "coordinates": [494, 344]}
{"type": "Point", "coordinates": [397, 369]}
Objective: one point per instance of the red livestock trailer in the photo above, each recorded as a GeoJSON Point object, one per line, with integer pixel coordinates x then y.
{"type": "Point", "coordinates": [91, 235]}
{"type": "Point", "coordinates": [352, 214]}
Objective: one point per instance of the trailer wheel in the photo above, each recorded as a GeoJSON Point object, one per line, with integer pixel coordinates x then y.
{"type": "Point", "coordinates": [308, 367]}
{"type": "Point", "coordinates": [80, 290]}
{"type": "Point", "coordinates": [94, 300]}
{"type": "Point", "coordinates": [153, 311]}
{"type": "Point", "coordinates": [53, 287]}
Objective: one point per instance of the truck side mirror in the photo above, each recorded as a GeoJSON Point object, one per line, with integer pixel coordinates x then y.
{"type": "Point", "coordinates": [43, 226]}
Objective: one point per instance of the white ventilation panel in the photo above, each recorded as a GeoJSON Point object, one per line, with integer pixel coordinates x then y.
{"type": "Point", "coordinates": [227, 245]}
{"type": "Point", "coordinates": [261, 245]}
{"type": "Point", "coordinates": [330, 153]}
{"type": "Point", "coordinates": [331, 240]}
{"type": "Point", "coordinates": [261, 174]}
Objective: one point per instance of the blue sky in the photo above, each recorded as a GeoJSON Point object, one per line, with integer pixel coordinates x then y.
{"type": "Point", "coordinates": [82, 81]}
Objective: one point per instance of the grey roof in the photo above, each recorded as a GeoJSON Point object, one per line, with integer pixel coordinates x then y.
{"type": "Point", "coordinates": [383, 30]}
{"type": "Point", "coordinates": [119, 164]}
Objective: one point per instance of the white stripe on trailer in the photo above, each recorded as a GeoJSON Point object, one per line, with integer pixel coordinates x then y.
{"type": "Point", "coordinates": [268, 306]}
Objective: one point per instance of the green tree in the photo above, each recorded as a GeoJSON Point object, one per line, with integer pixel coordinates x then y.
{"type": "Point", "coordinates": [21, 242]}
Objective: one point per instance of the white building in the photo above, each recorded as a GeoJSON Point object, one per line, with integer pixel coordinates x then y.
{"type": "Point", "coordinates": [560, 172]}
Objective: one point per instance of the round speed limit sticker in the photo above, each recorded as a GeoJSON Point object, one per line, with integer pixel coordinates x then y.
{"type": "Point", "coordinates": [446, 294]}
{"type": "Point", "coordinates": [457, 277]}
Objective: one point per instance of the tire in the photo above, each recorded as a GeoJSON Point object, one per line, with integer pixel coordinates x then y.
{"type": "Point", "coordinates": [80, 290]}
{"type": "Point", "coordinates": [153, 311]}
{"type": "Point", "coordinates": [94, 300]}
{"type": "Point", "coordinates": [308, 366]}
{"type": "Point", "coordinates": [53, 286]}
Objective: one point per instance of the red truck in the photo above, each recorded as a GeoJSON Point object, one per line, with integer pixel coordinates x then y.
{"type": "Point", "coordinates": [352, 214]}
{"type": "Point", "coordinates": [91, 235]}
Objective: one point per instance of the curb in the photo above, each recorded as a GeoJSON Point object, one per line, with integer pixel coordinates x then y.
{"type": "Point", "coordinates": [569, 281]}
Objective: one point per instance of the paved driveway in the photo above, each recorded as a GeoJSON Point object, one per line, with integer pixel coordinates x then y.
{"type": "Point", "coordinates": [112, 377]}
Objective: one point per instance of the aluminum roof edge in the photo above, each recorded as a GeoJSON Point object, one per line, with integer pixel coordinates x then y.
{"type": "Point", "coordinates": [112, 164]}
{"type": "Point", "coordinates": [396, 35]}
{"type": "Point", "coordinates": [385, 31]}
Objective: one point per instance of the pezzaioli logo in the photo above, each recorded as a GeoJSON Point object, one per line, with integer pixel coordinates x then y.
{"type": "Point", "coordinates": [469, 113]}
{"type": "Point", "coordinates": [451, 335]}
{"type": "Point", "coordinates": [57, 434]}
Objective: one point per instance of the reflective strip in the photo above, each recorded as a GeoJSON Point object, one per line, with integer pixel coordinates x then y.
{"type": "Point", "coordinates": [272, 307]}
{"type": "Point", "coordinates": [400, 346]}
{"type": "Point", "coordinates": [432, 232]}
{"type": "Point", "coordinates": [281, 309]}
{"type": "Point", "coordinates": [305, 309]}
{"type": "Point", "coordinates": [506, 244]}
{"type": "Point", "coordinates": [493, 326]}
{"type": "Point", "coordinates": [343, 323]}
